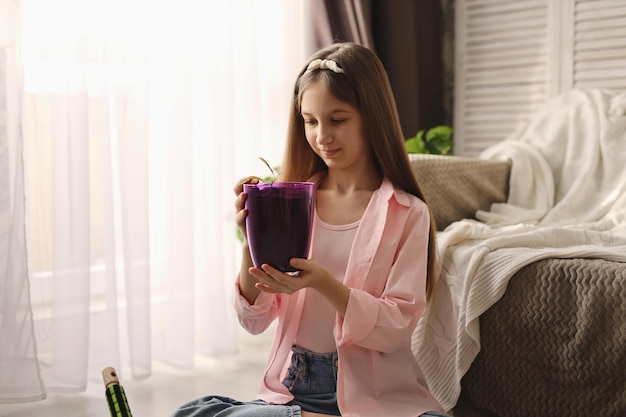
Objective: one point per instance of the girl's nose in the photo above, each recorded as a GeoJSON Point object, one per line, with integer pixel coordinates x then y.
{"type": "Point", "coordinates": [324, 134]}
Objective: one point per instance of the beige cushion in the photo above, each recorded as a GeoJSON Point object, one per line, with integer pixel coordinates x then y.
{"type": "Point", "coordinates": [456, 187]}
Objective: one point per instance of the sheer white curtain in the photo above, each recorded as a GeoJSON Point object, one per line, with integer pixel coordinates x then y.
{"type": "Point", "coordinates": [19, 369]}
{"type": "Point", "coordinates": [138, 117]}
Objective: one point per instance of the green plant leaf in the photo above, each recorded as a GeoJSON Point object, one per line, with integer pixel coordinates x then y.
{"type": "Point", "coordinates": [273, 177]}
{"type": "Point", "coordinates": [416, 143]}
{"type": "Point", "coordinates": [439, 131]}
{"type": "Point", "coordinates": [439, 140]}
{"type": "Point", "coordinates": [439, 145]}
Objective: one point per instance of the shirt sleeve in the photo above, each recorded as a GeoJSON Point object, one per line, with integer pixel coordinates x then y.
{"type": "Point", "coordinates": [257, 317]}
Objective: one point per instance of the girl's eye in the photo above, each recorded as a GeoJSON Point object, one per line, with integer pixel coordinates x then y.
{"type": "Point", "coordinates": [310, 122]}
{"type": "Point", "coordinates": [338, 120]}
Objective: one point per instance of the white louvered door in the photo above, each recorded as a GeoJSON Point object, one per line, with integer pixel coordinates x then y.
{"type": "Point", "coordinates": [598, 50]}
{"type": "Point", "coordinates": [511, 56]}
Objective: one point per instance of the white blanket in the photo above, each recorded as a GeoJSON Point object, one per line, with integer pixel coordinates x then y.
{"type": "Point", "coordinates": [567, 199]}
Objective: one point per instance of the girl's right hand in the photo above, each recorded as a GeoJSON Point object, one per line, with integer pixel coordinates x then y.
{"type": "Point", "coordinates": [240, 202]}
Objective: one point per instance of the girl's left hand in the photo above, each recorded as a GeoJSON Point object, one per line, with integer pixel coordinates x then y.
{"type": "Point", "coordinates": [275, 281]}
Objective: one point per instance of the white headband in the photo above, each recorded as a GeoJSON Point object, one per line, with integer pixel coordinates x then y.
{"type": "Point", "coordinates": [324, 64]}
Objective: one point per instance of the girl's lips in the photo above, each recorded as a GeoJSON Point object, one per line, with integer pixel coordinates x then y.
{"type": "Point", "coordinates": [329, 153]}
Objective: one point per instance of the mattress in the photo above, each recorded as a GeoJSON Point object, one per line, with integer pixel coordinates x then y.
{"type": "Point", "coordinates": [553, 345]}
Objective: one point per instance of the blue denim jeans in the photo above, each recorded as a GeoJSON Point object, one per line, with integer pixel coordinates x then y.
{"type": "Point", "coordinates": [215, 406]}
{"type": "Point", "coordinates": [227, 407]}
{"type": "Point", "coordinates": [311, 378]}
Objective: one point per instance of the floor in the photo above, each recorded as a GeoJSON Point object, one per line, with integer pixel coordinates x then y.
{"type": "Point", "coordinates": [236, 376]}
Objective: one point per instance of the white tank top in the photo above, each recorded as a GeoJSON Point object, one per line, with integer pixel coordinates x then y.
{"type": "Point", "coordinates": [331, 247]}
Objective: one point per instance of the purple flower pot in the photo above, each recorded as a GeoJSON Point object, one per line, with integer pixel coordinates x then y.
{"type": "Point", "coordinates": [279, 222]}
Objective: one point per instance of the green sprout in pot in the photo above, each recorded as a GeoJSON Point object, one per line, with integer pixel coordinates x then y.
{"type": "Point", "coordinates": [271, 179]}
{"type": "Point", "coordinates": [274, 174]}
{"type": "Point", "coordinates": [435, 141]}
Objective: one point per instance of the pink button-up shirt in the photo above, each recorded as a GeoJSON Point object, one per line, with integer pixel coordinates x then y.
{"type": "Point", "coordinates": [377, 371]}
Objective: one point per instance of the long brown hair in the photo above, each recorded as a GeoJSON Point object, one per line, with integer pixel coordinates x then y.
{"type": "Point", "coordinates": [363, 84]}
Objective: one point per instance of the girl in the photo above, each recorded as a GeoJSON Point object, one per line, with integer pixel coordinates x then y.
{"type": "Point", "coordinates": [343, 342]}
